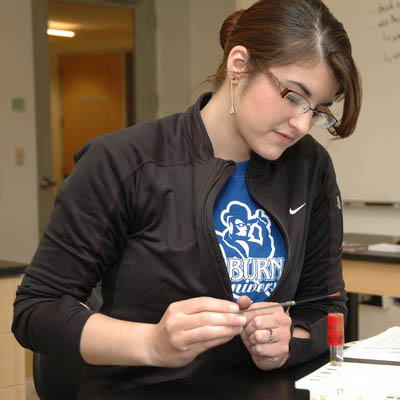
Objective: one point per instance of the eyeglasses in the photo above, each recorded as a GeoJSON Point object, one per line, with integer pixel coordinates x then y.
{"type": "Point", "coordinates": [299, 104]}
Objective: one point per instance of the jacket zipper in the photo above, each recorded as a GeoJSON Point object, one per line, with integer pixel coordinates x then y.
{"type": "Point", "coordinates": [211, 239]}
{"type": "Point", "coordinates": [282, 228]}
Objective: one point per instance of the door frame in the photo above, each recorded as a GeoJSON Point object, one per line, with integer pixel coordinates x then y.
{"type": "Point", "coordinates": [144, 77]}
{"type": "Point", "coordinates": [42, 109]}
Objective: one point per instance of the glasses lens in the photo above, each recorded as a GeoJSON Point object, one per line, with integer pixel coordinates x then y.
{"type": "Point", "coordinates": [323, 120]}
{"type": "Point", "coordinates": [299, 103]}
{"type": "Point", "coordinates": [301, 106]}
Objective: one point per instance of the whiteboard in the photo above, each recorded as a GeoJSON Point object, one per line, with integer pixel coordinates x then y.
{"type": "Point", "coordinates": [368, 162]}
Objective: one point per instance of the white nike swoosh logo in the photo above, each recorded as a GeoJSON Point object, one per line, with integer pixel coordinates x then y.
{"type": "Point", "coordinates": [292, 212]}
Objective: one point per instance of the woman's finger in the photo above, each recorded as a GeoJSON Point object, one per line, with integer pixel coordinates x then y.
{"type": "Point", "coordinates": [211, 333]}
{"type": "Point", "coordinates": [261, 322]}
{"type": "Point", "coordinates": [200, 339]}
{"type": "Point", "coordinates": [200, 304]}
{"type": "Point", "coordinates": [272, 351]}
{"type": "Point", "coordinates": [266, 336]}
{"type": "Point", "coordinates": [244, 302]}
{"type": "Point", "coordinates": [207, 318]}
{"type": "Point", "coordinates": [270, 320]}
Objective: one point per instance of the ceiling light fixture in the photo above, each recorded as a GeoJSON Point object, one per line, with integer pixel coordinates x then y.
{"type": "Point", "coordinates": [59, 32]}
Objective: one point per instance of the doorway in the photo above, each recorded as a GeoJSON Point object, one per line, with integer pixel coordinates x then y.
{"type": "Point", "coordinates": [95, 83]}
{"type": "Point", "coordinates": [141, 76]}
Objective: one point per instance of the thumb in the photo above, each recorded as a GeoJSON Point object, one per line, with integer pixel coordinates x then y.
{"type": "Point", "coordinates": [244, 302]}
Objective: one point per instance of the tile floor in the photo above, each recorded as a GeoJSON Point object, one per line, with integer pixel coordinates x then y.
{"type": "Point", "coordinates": [372, 320]}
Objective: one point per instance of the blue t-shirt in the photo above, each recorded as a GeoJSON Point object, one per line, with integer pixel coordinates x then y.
{"type": "Point", "coordinates": [251, 243]}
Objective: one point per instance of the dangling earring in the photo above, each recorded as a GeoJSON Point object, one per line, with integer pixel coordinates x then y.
{"type": "Point", "coordinates": [232, 109]}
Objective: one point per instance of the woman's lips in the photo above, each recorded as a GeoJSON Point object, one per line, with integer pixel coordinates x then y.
{"type": "Point", "coordinates": [284, 136]}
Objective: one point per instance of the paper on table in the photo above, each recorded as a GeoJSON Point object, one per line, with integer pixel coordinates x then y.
{"type": "Point", "coordinates": [352, 381]}
{"type": "Point", "coordinates": [388, 247]}
{"type": "Point", "coordinates": [384, 347]}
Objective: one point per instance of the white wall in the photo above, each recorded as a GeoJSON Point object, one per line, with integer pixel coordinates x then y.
{"type": "Point", "coordinates": [206, 18]}
{"type": "Point", "coordinates": [243, 4]}
{"type": "Point", "coordinates": [18, 183]}
{"type": "Point", "coordinates": [173, 57]}
{"type": "Point", "coordinates": [372, 220]}
{"type": "Point", "coordinates": [368, 220]}
{"type": "Point", "coordinates": [188, 49]}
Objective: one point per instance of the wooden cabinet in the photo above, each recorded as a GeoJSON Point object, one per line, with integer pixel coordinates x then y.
{"type": "Point", "coordinates": [12, 355]}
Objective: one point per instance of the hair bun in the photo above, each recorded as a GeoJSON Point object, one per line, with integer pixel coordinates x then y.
{"type": "Point", "coordinates": [228, 27]}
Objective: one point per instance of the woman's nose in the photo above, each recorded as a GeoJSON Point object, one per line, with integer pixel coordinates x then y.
{"type": "Point", "coordinates": [302, 122]}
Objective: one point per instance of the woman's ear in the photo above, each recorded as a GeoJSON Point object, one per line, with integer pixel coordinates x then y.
{"type": "Point", "coordinates": [237, 60]}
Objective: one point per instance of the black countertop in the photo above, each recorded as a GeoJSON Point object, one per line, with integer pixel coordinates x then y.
{"type": "Point", "coordinates": [355, 247]}
{"type": "Point", "coordinates": [8, 268]}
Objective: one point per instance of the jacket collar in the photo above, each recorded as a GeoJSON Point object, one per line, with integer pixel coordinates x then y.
{"type": "Point", "coordinates": [194, 131]}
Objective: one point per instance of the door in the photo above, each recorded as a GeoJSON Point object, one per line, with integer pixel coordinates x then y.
{"type": "Point", "coordinates": [93, 99]}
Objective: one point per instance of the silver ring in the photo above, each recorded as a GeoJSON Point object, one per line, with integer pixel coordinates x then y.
{"type": "Point", "coordinates": [270, 335]}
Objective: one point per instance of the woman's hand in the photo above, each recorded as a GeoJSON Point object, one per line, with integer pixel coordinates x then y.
{"type": "Point", "coordinates": [266, 335]}
{"type": "Point", "coordinates": [190, 327]}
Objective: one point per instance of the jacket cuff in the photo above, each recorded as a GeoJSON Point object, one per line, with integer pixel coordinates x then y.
{"type": "Point", "coordinates": [302, 350]}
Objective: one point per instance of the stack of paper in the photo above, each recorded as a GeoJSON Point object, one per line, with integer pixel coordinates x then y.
{"type": "Point", "coordinates": [373, 380]}
{"type": "Point", "coordinates": [353, 381]}
{"type": "Point", "coordinates": [388, 247]}
{"type": "Point", "coordinates": [384, 347]}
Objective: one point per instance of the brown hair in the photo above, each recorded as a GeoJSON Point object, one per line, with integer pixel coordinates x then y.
{"type": "Point", "coordinates": [282, 32]}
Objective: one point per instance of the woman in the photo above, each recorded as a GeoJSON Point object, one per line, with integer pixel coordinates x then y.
{"type": "Point", "coordinates": [189, 219]}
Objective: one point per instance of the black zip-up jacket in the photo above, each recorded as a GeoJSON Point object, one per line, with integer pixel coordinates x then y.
{"type": "Point", "coordinates": [137, 213]}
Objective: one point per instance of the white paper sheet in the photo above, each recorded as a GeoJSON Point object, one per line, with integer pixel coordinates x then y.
{"type": "Point", "coordinates": [383, 347]}
{"type": "Point", "coordinates": [353, 381]}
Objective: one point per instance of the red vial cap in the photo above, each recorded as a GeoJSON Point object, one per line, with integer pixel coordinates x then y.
{"type": "Point", "coordinates": [335, 329]}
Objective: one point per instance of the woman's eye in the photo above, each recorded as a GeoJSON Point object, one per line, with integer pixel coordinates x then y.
{"type": "Point", "coordinates": [294, 98]}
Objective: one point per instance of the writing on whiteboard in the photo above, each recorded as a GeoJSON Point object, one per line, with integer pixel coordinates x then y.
{"type": "Point", "coordinates": [388, 23]}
